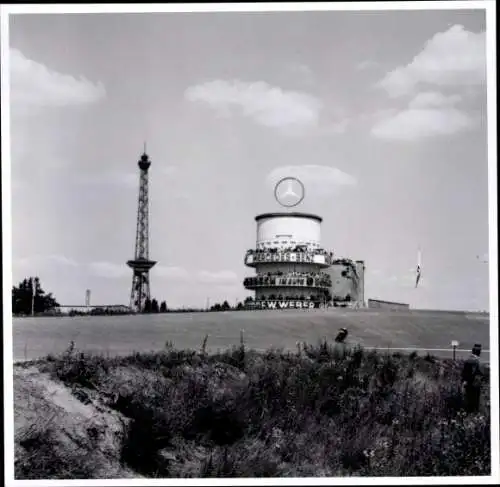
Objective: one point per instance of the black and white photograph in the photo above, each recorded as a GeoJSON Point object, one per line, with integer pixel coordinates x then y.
{"type": "Point", "coordinates": [249, 241]}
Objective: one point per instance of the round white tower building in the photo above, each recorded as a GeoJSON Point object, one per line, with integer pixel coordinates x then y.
{"type": "Point", "coordinates": [289, 261]}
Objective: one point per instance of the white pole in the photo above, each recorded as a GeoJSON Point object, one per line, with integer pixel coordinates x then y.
{"type": "Point", "coordinates": [33, 292]}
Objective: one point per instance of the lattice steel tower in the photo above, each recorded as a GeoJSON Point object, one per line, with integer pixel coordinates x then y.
{"type": "Point", "coordinates": [141, 263]}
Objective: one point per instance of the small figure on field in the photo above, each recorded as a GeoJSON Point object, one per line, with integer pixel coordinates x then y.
{"type": "Point", "coordinates": [341, 336]}
{"type": "Point", "coordinates": [471, 380]}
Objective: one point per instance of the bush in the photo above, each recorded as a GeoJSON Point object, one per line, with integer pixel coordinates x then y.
{"type": "Point", "coordinates": [324, 410]}
{"type": "Point", "coordinates": [41, 459]}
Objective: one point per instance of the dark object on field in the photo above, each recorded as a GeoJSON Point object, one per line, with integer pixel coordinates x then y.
{"type": "Point", "coordinates": [341, 336]}
{"type": "Point", "coordinates": [471, 380]}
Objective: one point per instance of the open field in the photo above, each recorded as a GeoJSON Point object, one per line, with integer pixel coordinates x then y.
{"type": "Point", "coordinates": [121, 335]}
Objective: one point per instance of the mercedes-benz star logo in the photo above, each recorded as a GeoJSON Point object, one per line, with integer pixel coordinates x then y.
{"type": "Point", "coordinates": [289, 192]}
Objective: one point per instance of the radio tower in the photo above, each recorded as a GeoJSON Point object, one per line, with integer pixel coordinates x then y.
{"type": "Point", "coordinates": [141, 263]}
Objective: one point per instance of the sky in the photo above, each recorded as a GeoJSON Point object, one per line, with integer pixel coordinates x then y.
{"type": "Point", "coordinates": [381, 114]}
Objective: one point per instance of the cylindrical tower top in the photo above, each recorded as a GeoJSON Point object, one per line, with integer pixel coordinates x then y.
{"type": "Point", "coordinates": [289, 214]}
{"type": "Point", "coordinates": [288, 230]}
{"type": "Point", "coordinates": [144, 162]}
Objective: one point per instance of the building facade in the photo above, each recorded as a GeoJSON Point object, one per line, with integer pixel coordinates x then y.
{"type": "Point", "coordinates": [292, 269]}
{"type": "Point", "coordinates": [348, 282]}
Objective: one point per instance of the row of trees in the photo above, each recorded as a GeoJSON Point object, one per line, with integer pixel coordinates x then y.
{"type": "Point", "coordinates": [225, 306]}
{"type": "Point", "coordinates": [29, 293]}
{"type": "Point", "coordinates": [28, 297]}
{"type": "Point", "coordinates": [151, 306]}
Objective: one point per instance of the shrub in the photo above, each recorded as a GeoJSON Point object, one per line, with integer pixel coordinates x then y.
{"type": "Point", "coordinates": [42, 458]}
{"type": "Point", "coordinates": [325, 410]}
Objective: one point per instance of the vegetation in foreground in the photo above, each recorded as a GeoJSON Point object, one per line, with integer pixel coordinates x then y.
{"type": "Point", "coordinates": [321, 411]}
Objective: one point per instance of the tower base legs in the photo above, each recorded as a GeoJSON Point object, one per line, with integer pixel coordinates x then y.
{"type": "Point", "coordinates": [140, 291]}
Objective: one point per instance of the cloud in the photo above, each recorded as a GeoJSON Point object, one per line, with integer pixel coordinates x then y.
{"type": "Point", "coordinates": [420, 122]}
{"type": "Point", "coordinates": [339, 127]}
{"type": "Point", "coordinates": [303, 72]}
{"type": "Point", "coordinates": [364, 65]}
{"type": "Point", "coordinates": [319, 179]}
{"type": "Point", "coordinates": [177, 274]}
{"type": "Point", "coordinates": [113, 271]}
{"type": "Point", "coordinates": [110, 270]}
{"type": "Point", "coordinates": [35, 85]}
{"type": "Point", "coordinates": [218, 277]}
{"type": "Point", "coordinates": [396, 278]}
{"type": "Point", "coordinates": [433, 99]}
{"type": "Point", "coordinates": [61, 259]}
{"type": "Point", "coordinates": [121, 179]}
{"type": "Point", "coordinates": [169, 170]}
{"type": "Point", "coordinates": [428, 114]}
{"type": "Point", "coordinates": [266, 105]}
{"type": "Point", "coordinates": [128, 180]}
{"type": "Point", "coordinates": [42, 261]}
{"type": "Point", "coordinates": [171, 272]}
{"type": "Point", "coordinates": [456, 57]}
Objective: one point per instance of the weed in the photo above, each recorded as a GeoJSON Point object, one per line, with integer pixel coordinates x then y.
{"type": "Point", "coordinates": [330, 409]}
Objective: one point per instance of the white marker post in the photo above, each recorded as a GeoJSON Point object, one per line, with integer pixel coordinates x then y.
{"type": "Point", "coordinates": [33, 293]}
{"type": "Point", "coordinates": [454, 344]}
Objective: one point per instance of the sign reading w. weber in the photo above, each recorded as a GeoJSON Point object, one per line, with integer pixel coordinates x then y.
{"type": "Point", "coordinates": [286, 304]}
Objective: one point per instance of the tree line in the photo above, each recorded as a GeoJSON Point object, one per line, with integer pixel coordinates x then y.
{"type": "Point", "coordinates": [151, 306]}
{"type": "Point", "coordinates": [28, 297]}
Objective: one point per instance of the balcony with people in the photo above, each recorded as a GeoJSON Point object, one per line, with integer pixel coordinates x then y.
{"type": "Point", "coordinates": [319, 280]}
{"type": "Point", "coordinates": [294, 297]}
{"type": "Point", "coordinates": [299, 254]}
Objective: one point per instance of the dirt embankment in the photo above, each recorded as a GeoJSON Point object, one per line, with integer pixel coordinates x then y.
{"type": "Point", "coordinates": [324, 410]}
{"type": "Point", "coordinates": [58, 430]}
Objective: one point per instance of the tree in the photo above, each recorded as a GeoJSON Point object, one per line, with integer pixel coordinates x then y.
{"type": "Point", "coordinates": [225, 306]}
{"type": "Point", "coordinates": [163, 307]}
{"type": "Point", "coordinates": [154, 306]}
{"type": "Point", "coordinates": [22, 298]}
{"type": "Point", "coordinates": [240, 306]}
{"type": "Point", "coordinates": [147, 306]}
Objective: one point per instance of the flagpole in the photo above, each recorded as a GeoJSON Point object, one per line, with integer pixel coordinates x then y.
{"type": "Point", "coordinates": [419, 264]}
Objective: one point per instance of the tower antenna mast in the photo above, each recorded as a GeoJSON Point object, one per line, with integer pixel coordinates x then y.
{"type": "Point", "coordinates": [141, 264]}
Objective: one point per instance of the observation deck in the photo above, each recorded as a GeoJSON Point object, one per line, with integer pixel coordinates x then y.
{"type": "Point", "coordinates": [141, 265]}
{"type": "Point", "coordinates": [289, 280]}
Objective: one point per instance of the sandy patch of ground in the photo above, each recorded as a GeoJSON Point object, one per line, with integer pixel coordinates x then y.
{"type": "Point", "coordinates": [69, 426]}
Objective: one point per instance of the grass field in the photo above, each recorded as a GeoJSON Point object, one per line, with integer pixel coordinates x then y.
{"type": "Point", "coordinates": [122, 335]}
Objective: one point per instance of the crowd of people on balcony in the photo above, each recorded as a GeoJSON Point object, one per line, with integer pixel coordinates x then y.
{"type": "Point", "coordinates": [297, 248]}
{"type": "Point", "coordinates": [295, 297]}
{"type": "Point", "coordinates": [321, 279]}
